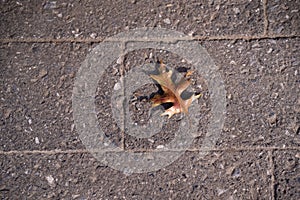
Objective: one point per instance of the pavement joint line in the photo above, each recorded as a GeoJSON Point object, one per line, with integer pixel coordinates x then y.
{"type": "Point", "coordinates": [99, 40]}
{"type": "Point", "coordinates": [123, 83]}
{"type": "Point", "coordinates": [272, 171]}
{"type": "Point", "coordinates": [80, 151]}
{"type": "Point", "coordinates": [266, 21]}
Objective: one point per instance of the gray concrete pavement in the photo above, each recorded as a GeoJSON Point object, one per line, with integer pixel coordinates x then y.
{"type": "Point", "coordinates": [255, 44]}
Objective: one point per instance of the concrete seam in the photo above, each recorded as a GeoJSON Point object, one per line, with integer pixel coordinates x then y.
{"type": "Point", "coordinates": [266, 21]}
{"type": "Point", "coordinates": [49, 152]}
{"type": "Point", "coordinates": [204, 38]}
{"type": "Point", "coordinates": [271, 167]}
{"type": "Point", "coordinates": [122, 71]}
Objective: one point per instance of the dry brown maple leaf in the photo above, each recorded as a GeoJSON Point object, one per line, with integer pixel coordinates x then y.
{"type": "Point", "coordinates": [172, 92]}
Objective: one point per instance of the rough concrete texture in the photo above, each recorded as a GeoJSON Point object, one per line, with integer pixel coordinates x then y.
{"type": "Point", "coordinates": [255, 44]}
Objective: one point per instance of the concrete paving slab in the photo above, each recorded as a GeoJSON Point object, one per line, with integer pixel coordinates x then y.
{"type": "Point", "coordinates": [36, 95]}
{"type": "Point", "coordinates": [43, 154]}
{"type": "Point", "coordinates": [262, 78]}
{"type": "Point", "coordinates": [286, 172]}
{"type": "Point", "coordinates": [284, 17]}
{"type": "Point", "coordinates": [92, 19]}
{"type": "Point", "coordinates": [225, 175]}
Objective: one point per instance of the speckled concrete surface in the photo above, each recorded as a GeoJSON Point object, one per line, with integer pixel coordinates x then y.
{"type": "Point", "coordinates": [255, 44]}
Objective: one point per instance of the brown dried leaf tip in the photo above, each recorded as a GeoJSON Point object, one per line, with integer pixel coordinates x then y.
{"type": "Point", "coordinates": [172, 92]}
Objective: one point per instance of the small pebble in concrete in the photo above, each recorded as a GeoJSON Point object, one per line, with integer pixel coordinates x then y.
{"type": "Point", "coordinates": [50, 180]}
{"type": "Point", "coordinates": [119, 61]}
{"type": "Point", "coordinates": [37, 141]}
{"type": "Point", "coordinates": [42, 73]}
{"type": "Point", "coordinates": [272, 119]}
{"type": "Point", "coordinates": [167, 21]}
{"type": "Point", "coordinates": [117, 86]}
{"type": "Point", "coordinates": [93, 35]}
